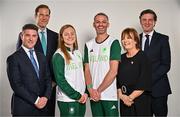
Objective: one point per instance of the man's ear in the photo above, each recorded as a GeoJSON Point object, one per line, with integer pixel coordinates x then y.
{"type": "Point", "coordinates": [35, 15]}
{"type": "Point", "coordinates": [93, 24]}
{"type": "Point", "coordinates": [154, 23]}
{"type": "Point", "coordinates": [21, 35]}
{"type": "Point", "coordinates": [108, 24]}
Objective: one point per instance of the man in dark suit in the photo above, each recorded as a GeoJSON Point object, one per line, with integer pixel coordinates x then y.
{"type": "Point", "coordinates": [29, 77]}
{"type": "Point", "coordinates": [156, 46]}
{"type": "Point", "coordinates": [47, 43]}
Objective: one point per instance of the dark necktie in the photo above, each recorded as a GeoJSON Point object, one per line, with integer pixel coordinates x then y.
{"type": "Point", "coordinates": [146, 46]}
{"type": "Point", "coordinates": [43, 42]}
{"type": "Point", "coordinates": [33, 61]}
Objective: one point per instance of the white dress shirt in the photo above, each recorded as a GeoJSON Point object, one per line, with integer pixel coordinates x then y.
{"type": "Point", "coordinates": [34, 54]}
{"type": "Point", "coordinates": [144, 38]}
{"type": "Point", "coordinates": [35, 57]}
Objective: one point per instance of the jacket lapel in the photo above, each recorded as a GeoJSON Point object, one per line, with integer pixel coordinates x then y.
{"type": "Point", "coordinates": [48, 42]}
{"type": "Point", "coordinates": [27, 61]}
{"type": "Point", "coordinates": [38, 45]}
{"type": "Point", "coordinates": [152, 43]}
{"type": "Point", "coordinates": [153, 39]}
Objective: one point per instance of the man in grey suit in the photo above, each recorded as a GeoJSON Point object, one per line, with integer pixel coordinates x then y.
{"type": "Point", "coordinates": [29, 77]}
{"type": "Point", "coordinates": [156, 46]}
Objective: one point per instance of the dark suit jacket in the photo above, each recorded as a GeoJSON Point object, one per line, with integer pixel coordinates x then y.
{"type": "Point", "coordinates": [52, 43]}
{"type": "Point", "coordinates": [25, 84]}
{"type": "Point", "coordinates": [160, 57]}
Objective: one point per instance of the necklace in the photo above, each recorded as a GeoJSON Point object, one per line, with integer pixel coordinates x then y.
{"type": "Point", "coordinates": [132, 62]}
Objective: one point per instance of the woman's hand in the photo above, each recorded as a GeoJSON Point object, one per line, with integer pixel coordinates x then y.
{"type": "Point", "coordinates": [83, 98]}
{"type": "Point", "coordinates": [127, 100]}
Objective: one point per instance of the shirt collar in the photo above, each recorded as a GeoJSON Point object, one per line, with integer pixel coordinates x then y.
{"type": "Point", "coordinates": [45, 30]}
{"type": "Point", "coordinates": [26, 49]}
{"type": "Point", "coordinates": [150, 34]}
{"type": "Point", "coordinates": [68, 49]}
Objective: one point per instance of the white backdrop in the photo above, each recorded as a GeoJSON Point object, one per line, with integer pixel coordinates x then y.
{"type": "Point", "coordinates": [122, 13]}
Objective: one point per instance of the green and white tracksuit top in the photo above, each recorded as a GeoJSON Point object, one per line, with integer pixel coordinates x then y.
{"type": "Point", "coordinates": [69, 77]}
{"type": "Point", "coordinates": [98, 55]}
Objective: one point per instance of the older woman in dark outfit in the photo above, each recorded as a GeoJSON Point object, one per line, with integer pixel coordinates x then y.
{"type": "Point", "coordinates": [134, 77]}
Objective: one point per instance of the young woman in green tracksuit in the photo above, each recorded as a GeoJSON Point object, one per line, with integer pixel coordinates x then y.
{"type": "Point", "coordinates": [68, 71]}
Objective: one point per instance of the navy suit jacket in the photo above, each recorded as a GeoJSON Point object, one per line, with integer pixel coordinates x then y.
{"type": "Point", "coordinates": [160, 57]}
{"type": "Point", "coordinates": [25, 84]}
{"type": "Point", "coordinates": [52, 44]}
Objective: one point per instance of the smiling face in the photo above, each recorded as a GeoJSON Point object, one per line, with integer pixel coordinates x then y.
{"type": "Point", "coordinates": [101, 24]}
{"type": "Point", "coordinates": [69, 37]}
{"type": "Point", "coordinates": [130, 39]}
{"type": "Point", "coordinates": [128, 42]}
{"type": "Point", "coordinates": [147, 22]}
{"type": "Point", "coordinates": [29, 38]}
{"type": "Point", "coordinates": [42, 17]}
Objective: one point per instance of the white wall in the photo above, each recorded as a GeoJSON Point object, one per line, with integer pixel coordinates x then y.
{"type": "Point", "coordinates": [122, 13]}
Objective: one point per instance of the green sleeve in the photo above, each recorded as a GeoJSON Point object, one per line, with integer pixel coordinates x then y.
{"type": "Point", "coordinates": [86, 54]}
{"type": "Point", "coordinates": [115, 51]}
{"type": "Point", "coordinates": [58, 68]}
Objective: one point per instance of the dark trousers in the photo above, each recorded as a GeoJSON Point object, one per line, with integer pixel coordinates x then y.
{"type": "Point", "coordinates": [51, 103]}
{"type": "Point", "coordinates": [159, 106]}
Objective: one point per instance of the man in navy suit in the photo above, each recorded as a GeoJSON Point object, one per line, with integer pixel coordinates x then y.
{"type": "Point", "coordinates": [29, 77]}
{"type": "Point", "coordinates": [156, 46]}
{"type": "Point", "coordinates": [42, 16]}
